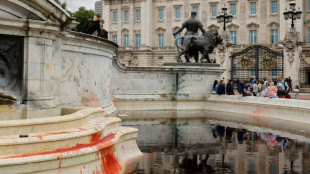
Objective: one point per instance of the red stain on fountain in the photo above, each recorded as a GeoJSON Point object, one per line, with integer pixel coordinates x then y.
{"type": "Point", "coordinates": [102, 144]}
{"type": "Point", "coordinates": [90, 100]}
{"type": "Point", "coordinates": [109, 163]}
{"type": "Point", "coordinates": [95, 137]}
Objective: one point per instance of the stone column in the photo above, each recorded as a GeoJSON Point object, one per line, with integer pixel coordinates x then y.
{"type": "Point", "coordinates": [292, 49]}
{"type": "Point", "coordinates": [223, 53]}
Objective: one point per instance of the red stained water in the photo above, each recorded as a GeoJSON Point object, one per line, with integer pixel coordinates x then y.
{"type": "Point", "coordinates": [102, 143]}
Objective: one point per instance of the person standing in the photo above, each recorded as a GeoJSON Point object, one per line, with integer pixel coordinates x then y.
{"type": "Point", "coordinates": [103, 33]}
{"type": "Point", "coordinates": [230, 88]}
{"type": "Point", "coordinates": [92, 25]}
{"type": "Point", "coordinates": [290, 82]}
{"type": "Point", "coordinates": [296, 91]}
{"type": "Point", "coordinates": [283, 84]}
{"type": "Point", "coordinates": [255, 88]}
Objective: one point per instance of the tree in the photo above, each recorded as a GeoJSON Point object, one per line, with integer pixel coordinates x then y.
{"type": "Point", "coordinates": [82, 16]}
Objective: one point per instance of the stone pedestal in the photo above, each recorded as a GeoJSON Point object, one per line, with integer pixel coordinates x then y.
{"type": "Point", "coordinates": [194, 80]}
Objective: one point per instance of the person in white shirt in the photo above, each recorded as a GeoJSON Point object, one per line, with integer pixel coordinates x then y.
{"type": "Point", "coordinates": [264, 92]}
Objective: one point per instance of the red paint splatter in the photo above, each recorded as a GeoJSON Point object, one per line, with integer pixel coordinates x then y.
{"type": "Point", "coordinates": [104, 144]}
{"type": "Point", "coordinates": [59, 165]}
{"type": "Point", "coordinates": [164, 122]}
{"type": "Point", "coordinates": [95, 83]}
{"type": "Point", "coordinates": [52, 133]}
{"type": "Point", "coordinates": [95, 136]}
{"type": "Point", "coordinates": [109, 164]}
{"type": "Point", "coordinates": [123, 147]}
{"type": "Point", "coordinates": [163, 96]}
{"type": "Point", "coordinates": [74, 79]}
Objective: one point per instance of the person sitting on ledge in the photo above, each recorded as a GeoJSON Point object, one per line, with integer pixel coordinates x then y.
{"type": "Point", "coordinates": [230, 88]}
{"type": "Point", "coordinates": [280, 92]}
{"type": "Point", "coordinates": [264, 92]}
{"type": "Point", "coordinates": [92, 25]}
{"type": "Point", "coordinates": [221, 88]}
{"type": "Point", "coordinates": [214, 87]}
{"type": "Point", "coordinates": [245, 91]}
{"type": "Point", "coordinates": [272, 91]}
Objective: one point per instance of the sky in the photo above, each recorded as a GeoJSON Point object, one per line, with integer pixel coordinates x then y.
{"type": "Point", "coordinates": [73, 5]}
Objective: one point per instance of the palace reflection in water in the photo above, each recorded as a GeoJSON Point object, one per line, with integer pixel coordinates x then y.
{"type": "Point", "coordinates": [196, 146]}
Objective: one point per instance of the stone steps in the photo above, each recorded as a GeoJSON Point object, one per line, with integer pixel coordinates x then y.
{"type": "Point", "coordinates": [99, 145]}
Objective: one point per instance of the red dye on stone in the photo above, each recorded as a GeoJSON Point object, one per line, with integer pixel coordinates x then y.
{"type": "Point", "coordinates": [95, 137]}
{"type": "Point", "coordinates": [103, 143]}
{"type": "Point", "coordinates": [110, 164]}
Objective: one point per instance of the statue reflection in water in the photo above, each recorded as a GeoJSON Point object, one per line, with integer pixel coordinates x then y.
{"type": "Point", "coordinates": [224, 150]}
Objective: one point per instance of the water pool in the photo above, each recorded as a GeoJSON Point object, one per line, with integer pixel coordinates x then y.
{"type": "Point", "coordinates": [190, 146]}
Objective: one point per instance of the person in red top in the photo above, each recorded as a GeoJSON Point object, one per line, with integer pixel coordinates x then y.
{"type": "Point", "coordinates": [290, 82]}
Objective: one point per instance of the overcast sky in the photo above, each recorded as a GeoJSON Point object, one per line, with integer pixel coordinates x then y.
{"type": "Point", "coordinates": [74, 5]}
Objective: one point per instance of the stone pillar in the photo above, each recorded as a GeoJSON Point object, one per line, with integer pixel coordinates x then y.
{"type": "Point", "coordinates": [292, 49]}
{"type": "Point", "coordinates": [223, 53]}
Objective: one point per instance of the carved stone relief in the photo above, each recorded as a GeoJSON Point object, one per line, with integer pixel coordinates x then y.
{"type": "Point", "coordinates": [11, 63]}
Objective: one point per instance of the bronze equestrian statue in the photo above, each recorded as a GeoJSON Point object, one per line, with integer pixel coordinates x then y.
{"type": "Point", "coordinates": [192, 44]}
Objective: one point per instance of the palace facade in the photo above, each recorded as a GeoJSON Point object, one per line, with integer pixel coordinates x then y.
{"type": "Point", "coordinates": [144, 28]}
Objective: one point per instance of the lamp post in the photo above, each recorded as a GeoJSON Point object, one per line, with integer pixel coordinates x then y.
{"type": "Point", "coordinates": [224, 17]}
{"type": "Point", "coordinates": [292, 13]}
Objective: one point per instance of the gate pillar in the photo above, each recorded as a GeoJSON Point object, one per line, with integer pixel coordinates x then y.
{"type": "Point", "coordinates": [292, 49]}
{"type": "Point", "coordinates": [223, 56]}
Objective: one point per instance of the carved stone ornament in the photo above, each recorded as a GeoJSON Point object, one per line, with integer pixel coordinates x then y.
{"type": "Point", "coordinates": [292, 35]}
{"type": "Point", "coordinates": [221, 50]}
{"type": "Point", "coordinates": [10, 64]}
{"type": "Point", "coordinates": [291, 39]}
{"type": "Point", "coordinates": [226, 38]}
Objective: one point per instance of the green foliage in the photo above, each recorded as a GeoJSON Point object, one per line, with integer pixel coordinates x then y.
{"type": "Point", "coordinates": [82, 16]}
{"type": "Point", "coordinates": [64, 6]}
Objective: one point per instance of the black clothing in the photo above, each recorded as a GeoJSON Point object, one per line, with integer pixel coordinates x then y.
{"type": "Point", "coordinates": [91, 27]}
{"type": "Point", "coordinates": [192, 25]}
{"type": "Point", "coordinates": [103, 34]}
{"type": "Point", "coordinates": [280, 93]}
{"type": "Point", "coordinates": [230, 89]}
{"type": "Point", "coordinates": [221, 89]}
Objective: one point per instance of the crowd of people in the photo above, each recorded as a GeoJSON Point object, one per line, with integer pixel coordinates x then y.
{"type": "Point", "coordinates": [95, 27]}
{"type": "Point", "coordinates": [266, 88]}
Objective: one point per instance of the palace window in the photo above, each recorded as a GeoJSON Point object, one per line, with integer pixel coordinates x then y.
{"type": "Point", "coordinates": [274, 7]}
{"type": "Point", "coordinates": [253, 36]}
{"type": "Point", "coordinates": [179, 40]}
{"type": "Point", "coordinates": [126, 40]}
{"type": "Point", "coordinates": [233, 9]}
{"type": "Point", "coordinates": [274, 36]}
{"type": "Point", "coordinates": [308, 5]}
{"type": "Point", "coordinates": [233, 35]}
{"type": "Point", "coordinates": [177, 13]}
{"type": "Point", "coordinates": [138, 40]}
{"type": "Point", "coordinates": [138, 15]}
{"type": "Point", "coordinates": [161, 58]}
{"type": "Point", "coordinates": [161, 14]}
{"type": "Point", "coordinates": [253, 8]}
{"type": "Point", "coordinates": [115, 16]}
{"type": "Point", "coordinates": [213, 10]}
{"type": "Point", "coordinates": [274, 72]}
{"type": "Point", "coordinates": [273, 168]}
{"type": "Point", "coordinates": [114, 38]}
{"type": "Point", "coordinates": [196, 9]}
{"type": "Point", "coordinates": [126, 15]}
{"type": "Point", "coordinates": [252, 166]}
{"type": "Point", "coordinates": [160, 40]}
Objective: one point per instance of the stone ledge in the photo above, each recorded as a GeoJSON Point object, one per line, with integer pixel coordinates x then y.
{"type": "Point", "coordinates": [188, 64]}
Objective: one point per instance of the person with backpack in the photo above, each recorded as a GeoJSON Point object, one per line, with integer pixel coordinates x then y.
{"type": "Point", "coordinates": [283, 84]}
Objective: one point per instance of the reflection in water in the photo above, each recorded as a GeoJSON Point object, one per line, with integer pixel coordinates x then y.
{"type": "Point", "coordinates": [195, 146]}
